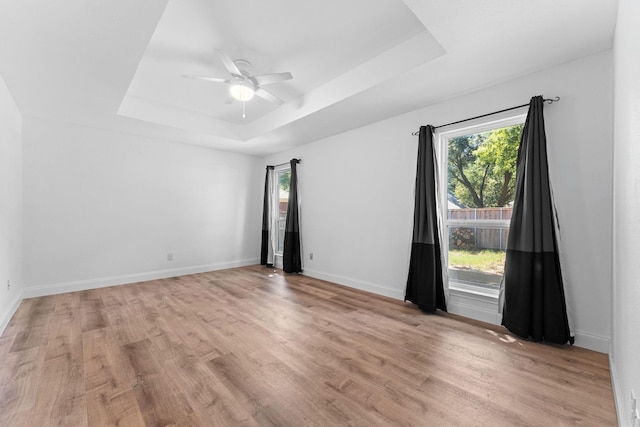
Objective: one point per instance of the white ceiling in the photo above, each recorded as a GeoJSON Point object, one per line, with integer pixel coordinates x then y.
{"type": "Point", "coordinates": [118, 64]}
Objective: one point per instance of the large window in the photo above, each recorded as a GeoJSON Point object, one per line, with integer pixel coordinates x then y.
{"type": "Point", "coordinates": [480, 180]}
{"type": "Point", "coordinates": [283, 177]}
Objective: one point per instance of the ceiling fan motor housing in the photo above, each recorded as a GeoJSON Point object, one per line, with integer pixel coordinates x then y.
{"type": "Point", "coordinates": [243, 65]}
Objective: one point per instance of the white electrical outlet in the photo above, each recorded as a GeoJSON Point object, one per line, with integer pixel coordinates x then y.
{"type": "Point", "coordinates": [311, 256]}
{"type": "Point", "coordinates": [169, 257]}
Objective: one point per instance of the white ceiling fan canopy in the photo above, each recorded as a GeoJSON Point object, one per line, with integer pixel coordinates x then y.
{"type": "Point", "coordinates": [243, 65]}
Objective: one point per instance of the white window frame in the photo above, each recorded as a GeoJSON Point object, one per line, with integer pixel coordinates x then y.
{"type": "Point", "coordinates": [477, 302]}
{"type": "Point", "coordinates": [276, 208]}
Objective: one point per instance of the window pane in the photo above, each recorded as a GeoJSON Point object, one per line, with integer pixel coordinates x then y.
{"type": "Point", "coordinates": [480, 190]}
{"type": "Point", "coordinates": [482, 167]}
{"type": "Point", "coordinates": [284, 177]}
{"type": "Point", "coordinates": [476, 255]}
{"type": "Point", "coordinates": [281, 229]}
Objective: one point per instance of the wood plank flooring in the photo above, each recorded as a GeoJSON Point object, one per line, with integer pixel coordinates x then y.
{"type": "Point", "coordinates": [253, 346]}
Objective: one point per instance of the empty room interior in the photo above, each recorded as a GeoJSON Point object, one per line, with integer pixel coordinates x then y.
{"type": "Point", "coordinates": [219, 212]}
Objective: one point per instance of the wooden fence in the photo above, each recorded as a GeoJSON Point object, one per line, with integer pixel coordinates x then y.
{"type": "Point", "coordinates": [472, 238]}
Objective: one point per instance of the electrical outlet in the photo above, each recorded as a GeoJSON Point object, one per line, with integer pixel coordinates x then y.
{"type": "Point", "coordinates": [311, 256]}
{"type": "Point", "coordinates": [169, 257]}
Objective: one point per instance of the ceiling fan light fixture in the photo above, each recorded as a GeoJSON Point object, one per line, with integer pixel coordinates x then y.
{"type": "Point", "coordinates": [241, 92]}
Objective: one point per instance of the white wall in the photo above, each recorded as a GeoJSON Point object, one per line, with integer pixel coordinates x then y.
{"type": "Point", "coordinates": [357, 189]}
{"type": "Point", "coordinates": [104, 208]}
{"type": "Point", "coordinates": [625, 349]}
{"type": "Point", "coordinates": [10, 206]}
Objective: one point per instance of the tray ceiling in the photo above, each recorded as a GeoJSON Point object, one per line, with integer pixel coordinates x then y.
{"type": "Point", "coordinates": [119, 65]}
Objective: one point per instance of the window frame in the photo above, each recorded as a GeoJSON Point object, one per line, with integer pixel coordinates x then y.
{"type": "Point", "coordinates": [276, 206]}
{"type": "Point", "coordinates": [442, 138]}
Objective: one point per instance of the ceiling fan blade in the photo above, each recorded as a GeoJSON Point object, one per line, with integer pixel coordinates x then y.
{"type": "Point", "coordinates": [268, 96]}
{"type": "Point", "coordinates": [210, 79]}
{"type": "Point", "coordinates": [267, 79]}
{"type": "Point", "coordinates": [229, 64]}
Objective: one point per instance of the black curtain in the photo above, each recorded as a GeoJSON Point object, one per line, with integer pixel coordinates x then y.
{"type": "Point", "coordinates": [291, 255]}
{"type": "Point", "coordinates": [266, 249]}
{"type": "Point", "coordinates": [534, 302]}
{"type": "Point", "coordinates": [425, 283]}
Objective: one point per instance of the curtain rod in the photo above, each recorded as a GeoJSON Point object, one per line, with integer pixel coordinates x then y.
{"type": "Point", "coordinates": [282, 164]}
{"type": "Point", "coordinates": [548, 101]}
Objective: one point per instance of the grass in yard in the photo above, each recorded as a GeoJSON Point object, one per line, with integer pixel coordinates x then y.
{"type": "Point", "coordinates": [483, 260]}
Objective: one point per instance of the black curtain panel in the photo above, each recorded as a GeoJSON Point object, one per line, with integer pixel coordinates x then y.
{"type": "Point", "coordinates": [425, 286]}
{"type": "Point", "coordinates": [534, 301]}
{"type": "Point", "coordinates": [292, 255]}
{"type": "Point", "coordinates": [267, 250]}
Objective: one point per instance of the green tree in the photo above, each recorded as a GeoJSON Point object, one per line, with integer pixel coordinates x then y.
{"type": "Point", "coordinates": [482, 167]}
{"type": "Point", "coordinates": [285, 179]}
{"type": "Point", "coordinates": [500, 150]}
{"type": "Point", "coordinates": [467, 178]}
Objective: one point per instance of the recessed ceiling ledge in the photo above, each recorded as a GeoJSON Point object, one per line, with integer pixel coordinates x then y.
{"type": "Point", "coordinates": [394, 62]}
{"type": "Point", "coordinates": [150, 111]}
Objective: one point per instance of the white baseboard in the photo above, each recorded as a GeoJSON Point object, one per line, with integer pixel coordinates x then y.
{"type": "Point", "coordinates": [5, 317]}
{"type": "Point", "coordinates": [618, 394]}
{"type": "Point", "coordinates": [83, 285]}
{"type": "Point", "coordinates": [356, 284]}
{"type": "Point", "coordinates": [592, 341]}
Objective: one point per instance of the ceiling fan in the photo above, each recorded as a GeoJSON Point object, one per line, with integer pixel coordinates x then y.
{"type": "Point", "coordinates": [243, 86]}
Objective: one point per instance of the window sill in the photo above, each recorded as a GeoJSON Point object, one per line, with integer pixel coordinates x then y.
{"type": "Point", "coordinates": [475, 302]}
{"type": "Point", "coordinates": [479, 291]}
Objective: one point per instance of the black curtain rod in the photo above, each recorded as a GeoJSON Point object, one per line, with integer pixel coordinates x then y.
{"type": "Point", "coordinates": [282, 164]}
{"type": "Point", "coordinates": [548, 101]}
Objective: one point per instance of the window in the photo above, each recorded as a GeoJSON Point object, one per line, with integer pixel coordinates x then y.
{"type": "Point", "coordinates": [480, 180]}
{"type": "Point", "coordinates": [283, 176]}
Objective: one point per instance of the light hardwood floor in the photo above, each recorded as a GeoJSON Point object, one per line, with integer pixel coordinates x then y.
{"type": "Point", "coordinates": [254, 346]}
